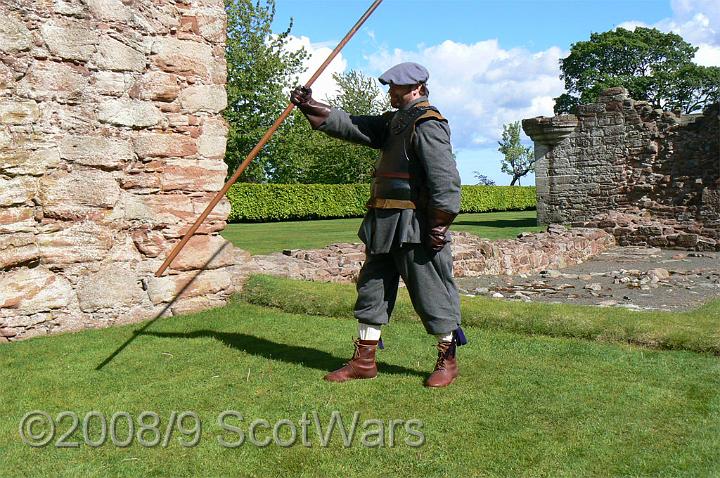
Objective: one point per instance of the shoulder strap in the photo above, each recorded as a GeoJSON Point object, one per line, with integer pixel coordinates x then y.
{"type": "Point", "coordinates": [427, 113]}
{"type": "Point", "coordinates": [421, 112]}
{"type": "Point", "coordinates": [430, 113]}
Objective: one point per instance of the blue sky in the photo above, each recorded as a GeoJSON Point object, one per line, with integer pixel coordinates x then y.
{"type": "Point", "coordinates": [491, 62]}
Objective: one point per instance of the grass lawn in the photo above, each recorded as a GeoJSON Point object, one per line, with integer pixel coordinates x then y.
{"type": "Point", "coordinates": [523, 406]}
{"type": "Point", "coordinates": [267, 237]}
{"type": "Point", "coordinates": [697, 330]}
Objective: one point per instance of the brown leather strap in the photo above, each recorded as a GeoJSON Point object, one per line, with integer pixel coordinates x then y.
{"type": "Point", "coordinates": [379, 203]}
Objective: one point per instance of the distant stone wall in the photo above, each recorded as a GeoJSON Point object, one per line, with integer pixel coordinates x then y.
{"type": "Point", "coordinates": [472, 255]}
{"type": "Point", "coordinates": [111, 143]}
{"type": "Point", "coordinates": [622, 155]}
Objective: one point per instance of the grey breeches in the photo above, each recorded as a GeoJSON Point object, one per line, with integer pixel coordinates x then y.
{"type": "Point", "coordinates": [429, 282]}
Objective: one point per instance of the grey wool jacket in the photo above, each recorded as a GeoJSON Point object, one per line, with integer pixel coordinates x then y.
{"type": "Point", "coordinates": [385, 229]}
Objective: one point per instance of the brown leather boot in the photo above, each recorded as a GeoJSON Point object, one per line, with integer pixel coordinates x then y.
{"type": "Point", "coordinates": [362, 364]}
{"type": "Point", "coordinates": [446, 368]}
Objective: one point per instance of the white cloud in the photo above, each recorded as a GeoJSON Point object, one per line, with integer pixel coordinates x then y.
{"type": "Point", "coordinates": [324, 86]}
{"type": "Point", "coordinates": [698, 22]}
{"type": "Point", "coordinates": [708, 55]}
{"type": "Point", "coordinates": [481, 86]}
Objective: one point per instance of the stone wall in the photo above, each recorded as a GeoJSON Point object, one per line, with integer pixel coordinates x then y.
{"type": "Point", "coordinates": [473, 256]}
{"type": "Point", "coordinates": [623, 155]}
{"type": "Point", "coordinates": [111, 143]}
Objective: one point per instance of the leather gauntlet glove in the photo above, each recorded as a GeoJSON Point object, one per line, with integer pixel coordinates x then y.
{"type": "Point", "coordinates": [438, 224]}
{"type": "Point", "coordinates": [314, 111]}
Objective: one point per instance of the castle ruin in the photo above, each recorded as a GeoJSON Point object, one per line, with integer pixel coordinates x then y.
{"type": "Point", "coordinates": [111, 144]}
{"type": "Point", "coordinates": [651, 177]}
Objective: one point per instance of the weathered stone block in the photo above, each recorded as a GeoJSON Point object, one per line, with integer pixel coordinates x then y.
{"type": "Point", "coordinates": [158, 209]}
{"type": "Point", "coordinates": [194, 175]}
{"type": "Point", "coordinates": [72, 8]}
{"type": "Point", "coordinates": [106, 153]}
{"type": "Point", "coordinates": [218, 71]}
{"type": "Point", "coordinates": [196, 304]}
{"type": "Point", "coordinates": [17, 249]}
{"type": "Point", "coordinates": [211, 98]}
{"type": "Point", "coordinates": [50, 80]}
{"type": "Point", "coordinates": [654, 230]}
{"type": "Point", "coordinates": [75, 77]}
{"type": "Point", "coordinates": [81, 242]}
{"type": "Point", "coordinates": [213, 140]}
{"type": "Point", "coordinates": [658, 241]}
{"type": "Point", "coordinates": [7, 76]}
{"type": "Point", "coordinates": [33, 163]}
{"type": "Point", "coordinates": [164, 145]}
{"type": "Point", "coordinates": [188, 284]}
{"type": "Point", "coordinates": [17, 219]}
{"type": "Point", "coordinates": [57, 118]}
{"type": "Point", "coordinates": [219, 213]}
{"type": "Point", "coordinates": [73, 195]}
{"type": "Point", "coordinates": [69, 41]}
{"type": "Point", "coordinates": [141, 182]}
{"type": "Point", "coordinates": [213, 27]}
{"type": "Point", "coordinates": [117, 56]}
{"type": "Point", "coordinates": [136, 114]}
{"type": "Point", "coordinates": [156, 20]}
{"type": "Point", "coordinates": [156, 85]}
{"type": "Point", "coordinates": [211, 146]}
{"type": "Point", "coordinates": [14, 35]}
{"type": "Point", "coordinates": [687, 240]}
{"type": "Point", "coordinates": [204, 252]}
{"type": "Point", "coordinates": [124, 250]}
{"type": "Point", "coordinates": [18, 112]}
{"type": "Point", "coordinates": [112, 10]}
{"type": "Point", "coordinates": [184, 57]}
{"type": "Point", "coordinates": [111, 83]}
{"type": "Point", "coordinates": [149, 242]}
{"type": "Point", "coordinates": [20, 190]}
{"type": "Point", "coordinates": [113, 286]}
{"type": "Point", "coordinates": [34, 290]}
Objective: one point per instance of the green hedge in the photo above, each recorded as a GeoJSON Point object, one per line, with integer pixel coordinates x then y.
{"type": "Point", "coordinates": [279, 202]}
{"type": "Point", "coordinates": [497, 198]}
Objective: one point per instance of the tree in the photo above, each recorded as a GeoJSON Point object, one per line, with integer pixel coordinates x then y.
{"type": "Point", "coordinates": [518, 160]}
{"type": "Point", "coordinates": [259, 67]}
{"type": "Point", "coordinates": [305, 156]}
{"type": "Point", "coordinates": [359, 94]}
{"type": "Point", "coordinates": [695, 87]}
{"type": "Point", "coordinates": [483, 180]}
{"type": "Point", "coordinates": [652, 66]}
{"type": "Point", "coordinates": [343, 162]}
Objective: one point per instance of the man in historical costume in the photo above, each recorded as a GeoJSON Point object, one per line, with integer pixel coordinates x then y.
{"type": "Point", "coordinates": [415, 196]}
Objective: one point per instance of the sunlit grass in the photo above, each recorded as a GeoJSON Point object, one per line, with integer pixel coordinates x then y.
{"type": "Point", "coordinates": [523, 406]}
{"type": "Point", "coordinates": [264, 238]}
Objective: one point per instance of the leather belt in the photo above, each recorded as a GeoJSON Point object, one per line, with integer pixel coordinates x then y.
{"type": "Point", "coordinates": [380, 203]}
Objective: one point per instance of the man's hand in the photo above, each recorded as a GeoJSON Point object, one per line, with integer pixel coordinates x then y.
{"type": "Point", "coordinates": [315, 112]}
{"type": "Point", "coordinates": [300, 95]}
{"type": "Point", "coordinates": [438, 224]}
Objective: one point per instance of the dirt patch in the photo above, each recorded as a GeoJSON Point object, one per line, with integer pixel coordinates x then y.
{"type": "Point", "coordinates": [630, 277]}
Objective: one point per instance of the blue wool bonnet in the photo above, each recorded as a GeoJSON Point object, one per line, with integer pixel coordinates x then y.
{"type": "Point", "coordinates": [408, 73]}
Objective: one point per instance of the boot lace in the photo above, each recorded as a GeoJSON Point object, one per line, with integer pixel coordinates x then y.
{"type": "Point", "coordinates": [443, 353]}
{"type": "Point", "coordinates": [356, 354]}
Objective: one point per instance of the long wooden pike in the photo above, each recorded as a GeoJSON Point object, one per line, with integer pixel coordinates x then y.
{"type": "Point", "coordinates": [266, 137]}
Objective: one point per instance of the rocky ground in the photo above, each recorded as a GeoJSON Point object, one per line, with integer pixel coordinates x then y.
{"type": "Point", "coordinates": [630, 277]}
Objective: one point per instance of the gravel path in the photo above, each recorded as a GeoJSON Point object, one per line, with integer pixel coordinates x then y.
{"type": "Point", "coordinates": [631, 277]}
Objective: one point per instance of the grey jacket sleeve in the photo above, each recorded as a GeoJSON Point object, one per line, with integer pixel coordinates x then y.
{"type": "Point", "coordinates": [365, 130]}
{"type": "Point", "coordinates": [432, 145]}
